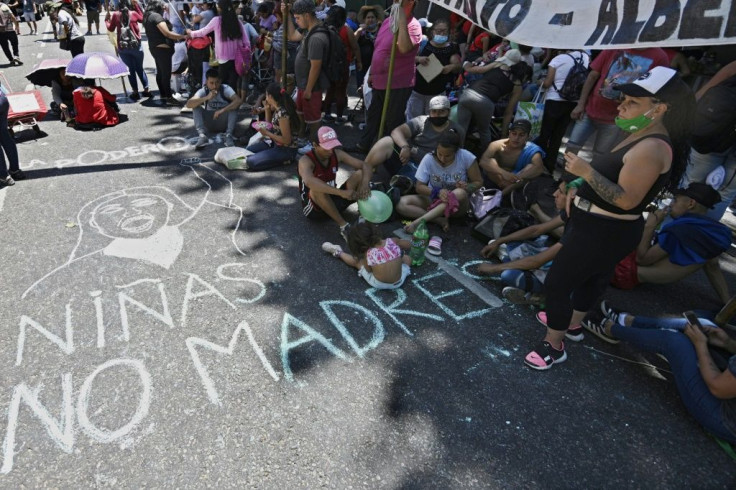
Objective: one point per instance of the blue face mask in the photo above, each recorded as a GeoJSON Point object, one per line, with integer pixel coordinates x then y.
{"type": "Point", "coordinates": [440, 39]}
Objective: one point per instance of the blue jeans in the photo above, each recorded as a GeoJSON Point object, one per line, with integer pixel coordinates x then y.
{"type": "Point", "coordinates": [663, 335]}
{"type": "Point", "coordinates": [266, 156]}
{"type": "Point", "coordinates": [702, 164]}
{"type": "Point", "coordinates": [204, 120]}
{"type": "Point", "coordinates": [605, 138]}
{"type": "Point", "coordinates": [518, 279]}
{"type": "Point", "coordinates": [133, 59]}
{"type": "Point", "coordinates": [6, 141]}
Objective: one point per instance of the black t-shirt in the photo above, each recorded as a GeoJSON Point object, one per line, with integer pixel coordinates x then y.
{"type": "Point", "coordinates": [438, 84]}
{"type": "Point", "coordinates": [495, 84]}
{"type": "Point", "coordinates": [154, 35]}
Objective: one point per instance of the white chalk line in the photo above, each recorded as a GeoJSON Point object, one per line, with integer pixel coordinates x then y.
{"type": "Point", "coordinates": [3, 192]}
{"type": "Point", "coordinates": [458, 275]}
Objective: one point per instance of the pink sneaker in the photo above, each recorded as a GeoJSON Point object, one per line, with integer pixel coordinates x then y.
{"type": "Point", "coordinates": [545, 356]}
{"type": "Point", "coordinates": [574, 333]}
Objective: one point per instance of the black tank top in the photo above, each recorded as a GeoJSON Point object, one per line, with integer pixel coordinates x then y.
{"type": "Point", "coordinates": [494, 84]}
{"type": "Point", "coordinates": [609, 165]}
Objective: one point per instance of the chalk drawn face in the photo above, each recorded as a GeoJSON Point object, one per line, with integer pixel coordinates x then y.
{"type": "Point", "coordinates": [131, 216]}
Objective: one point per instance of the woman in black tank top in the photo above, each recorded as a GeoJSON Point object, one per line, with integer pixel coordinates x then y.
{"type": "Point", "coordinates": [605, 217]}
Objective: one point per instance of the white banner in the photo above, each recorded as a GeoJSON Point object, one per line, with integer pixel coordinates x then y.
{"type": "Point", "coordinates": [603, 24]}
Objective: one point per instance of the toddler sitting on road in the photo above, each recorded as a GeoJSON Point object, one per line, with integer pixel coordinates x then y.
{"type": "Point", "coordinates": [379, 261]}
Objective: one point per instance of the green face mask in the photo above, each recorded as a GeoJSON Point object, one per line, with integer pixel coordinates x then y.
{"type": "Point", "coordinates": [635, 123]}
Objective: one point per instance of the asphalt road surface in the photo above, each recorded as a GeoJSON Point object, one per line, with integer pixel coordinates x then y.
{"type": "Point", "coordinates": [227, 350]}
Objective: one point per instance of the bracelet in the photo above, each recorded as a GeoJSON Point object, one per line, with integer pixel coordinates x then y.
{"type": "Point", "coordinates": [406, 146]}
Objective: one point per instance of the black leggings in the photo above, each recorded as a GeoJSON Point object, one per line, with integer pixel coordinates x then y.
{"type": "Point", "coordinates": [162, 58]}
{"type": "Point", "coordinates": [555, 121]}
{"type": "Point", "coordinates": [76, 46]}
{"type": "Point", "coordinates": [7, 39]}
{"type": "Point", "coordinates": [228, 75]}
{"type": "Point", "coordinates": [581, 271]}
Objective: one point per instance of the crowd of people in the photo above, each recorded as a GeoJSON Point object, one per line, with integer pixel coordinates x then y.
{"type": "Point", "coordinates": [434, 159]}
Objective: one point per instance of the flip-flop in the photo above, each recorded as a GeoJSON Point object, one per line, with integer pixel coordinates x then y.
{"type": "Point", "coordinates": [435, 245]}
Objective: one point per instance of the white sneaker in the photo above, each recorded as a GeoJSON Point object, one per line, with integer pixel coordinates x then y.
{"type": "Point", "coordinates": [202, 141]}
{"type": "Point", "coordinates": [332, 249]}
{"type": "Point", "coordinates": [180, 97]}
{"type": "Point", "coordinates": [305, 149]}
{"type": "Point", "coordinates": [229, 141]}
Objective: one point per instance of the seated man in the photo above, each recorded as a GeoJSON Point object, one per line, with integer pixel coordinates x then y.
{"type": "Point", "coordinates": [523, 275]}
{"type": "Point", "coordinates": [689, 242]}
{"type": "Point", "coordinates": [512, 161]}
{"type": "Point", "coordinates": [321, 198]}
{"type": "Point", "coordinates": [209, 104]}
{"type": "Point", "coordinates": [409, 143]}
{"type": "Point", "coordinates": [95, 107]}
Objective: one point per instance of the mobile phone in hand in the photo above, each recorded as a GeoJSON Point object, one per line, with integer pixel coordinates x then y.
{"type": "Point", "coordinates": [692, 319]}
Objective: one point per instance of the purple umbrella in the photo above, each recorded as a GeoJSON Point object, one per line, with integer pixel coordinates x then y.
{"type": "Point", "coordinates": [96, 65]}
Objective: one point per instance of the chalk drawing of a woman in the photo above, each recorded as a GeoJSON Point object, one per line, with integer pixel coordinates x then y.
{"type": "Point", "coordinates": [144, 223]}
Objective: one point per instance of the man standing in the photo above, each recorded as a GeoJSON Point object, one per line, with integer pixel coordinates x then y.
{"type": "Point", "coordinates": [214, 107]}
{"type": "Point", "coordinates": [408, 38]}
{"type": "Point", "coordinates": [29, 15]}
{"type": "Point", "coordinates": [311, 81]}
{"type": "Point", "coordinates": [598, 105]}
{"type": "Point", "coordinates": [512, 161]}
{"type": "Point", "coordinates": [93, 15]}
{"type": "Point", "coordinates": [320, 196]}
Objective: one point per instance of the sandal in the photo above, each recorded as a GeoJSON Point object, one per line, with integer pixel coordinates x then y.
{"type": "Point", "coordinates": [435, 245]}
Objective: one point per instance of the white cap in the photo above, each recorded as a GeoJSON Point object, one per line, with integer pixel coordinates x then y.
{"type": "Point", "coordinates": [511, 57]}
{"type": "Point", "coordinates": [340, 3]}
{"type": "Point", "coordinates": [425, 23]}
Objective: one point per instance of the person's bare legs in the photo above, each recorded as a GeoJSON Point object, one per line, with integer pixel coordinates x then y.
{"type": "Point", "coordinates": [326, 204]}
{"type": "Point", "coordinates": [437, 214]}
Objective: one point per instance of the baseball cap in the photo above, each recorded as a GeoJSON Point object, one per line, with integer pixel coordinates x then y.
{"type": "Point", "coordinates": [659, 82]}
{"type": "Point", "coordinates": [303, 7]}
{"type": "Point", "coordinates": [425, 23]}
{"type": "Point", "coordinates": [439, 102]}
{"type": "Point", "coordinates": [340, 3]}
{"type": "Point", "coordinates": [521, 124]}
{"type": "Point", "coordinates": [327, 138]}
{"type": "Point", "coordinates": [701, 193]}
{"type": "Point", "coordinates": [511, 57]}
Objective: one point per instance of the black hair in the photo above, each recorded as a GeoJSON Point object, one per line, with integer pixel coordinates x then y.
{"type": "Point", "coordinates": [124, 7]}
{"type": "Point", "coordinates": [230, 26]}
{"type": "Point", "coordinates": [521, 72]}
{"type": "Point", "coordinates": [153, 6]}
{"type": "Point", "coordinates": [336, 17]}
{"type": "Point", "coordinates": [449, 139]}
{"type": "Point", "coordinates": [213, 73]}
{"type": "Point", "coordinates": [264, 8]}
{"type": "Point", "coordinates": [68, 8]}
{"type": "Point", "coordinates": [363, 236]}
{"type": "Point", "coordinates": [274, 90]}
{"type": "Point", "coordinates": [678, 121]}
{"type": "Point", "coordinates": [524, 49]}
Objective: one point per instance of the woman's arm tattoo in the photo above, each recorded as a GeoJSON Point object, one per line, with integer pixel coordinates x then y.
{"type": "Point", "coordinates": [609, 191]}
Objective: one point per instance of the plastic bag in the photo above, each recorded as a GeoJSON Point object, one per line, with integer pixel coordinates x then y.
{"type": "Point", "coordinates": [233, 157]}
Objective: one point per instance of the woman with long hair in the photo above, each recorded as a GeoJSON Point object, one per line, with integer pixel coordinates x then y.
{"type": "Point", "coordinates": [605, 222]}
{"type": "Point", "coordinates": [281, 112]}
{"type": "Point", "coordinates": [69, 28]}
{"type": "Point", "coordinates": [130, 51]}
{"type": "Point", "coordinates": [161, 46]}
{"type": "Point", "coordinates": [229, 36]}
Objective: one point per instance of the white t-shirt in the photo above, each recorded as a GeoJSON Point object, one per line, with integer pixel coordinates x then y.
{"type": "Point", "coordinates": [431, 173]}
{"type": "Point", "coordinates": [65, 20]}
{"type": "Point", "coordinates": [562, 63]}
{"type": "Point", "coordinates": [223, 97]}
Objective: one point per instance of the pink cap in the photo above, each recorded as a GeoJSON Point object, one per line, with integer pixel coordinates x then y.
{"type": "Point", "coordinates": [328, 138]}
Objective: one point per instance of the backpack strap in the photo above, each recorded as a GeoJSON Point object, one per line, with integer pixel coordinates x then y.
{"type": "Point", "coordinates": [574, 62]}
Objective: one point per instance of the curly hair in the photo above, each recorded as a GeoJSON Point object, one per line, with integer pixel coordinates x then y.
{"type": "Point", "coordinates": [362, 237]}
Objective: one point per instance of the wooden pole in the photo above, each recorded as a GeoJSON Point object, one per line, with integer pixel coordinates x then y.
{"type": "Point", "coordinates": [285, 44]}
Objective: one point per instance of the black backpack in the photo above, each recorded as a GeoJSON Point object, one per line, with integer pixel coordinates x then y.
{"type": "Point", "coordinates": [501, 222]}
{"type": "Point", "coordinates": [574, 80]}
{"type": "Point", "coordinates": [126, 39]}
{"type": "Point", "coordinates": [335, 65]}
{"type": "Point", "coordinates": [714, 128]}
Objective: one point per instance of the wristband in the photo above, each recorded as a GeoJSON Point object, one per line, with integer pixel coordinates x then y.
{"type": "Point", "coordinates": [575, 184]}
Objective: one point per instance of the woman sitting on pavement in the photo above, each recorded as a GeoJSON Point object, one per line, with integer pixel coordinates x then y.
{"type": "Point", "coordinates": [281, 112]}
{"type": "Point", "coordinates": [96, 107]}
{"type": "Point", "coordinates": [445, 180]}
{"type": "Point", "coordinates": [62, 90]}
{"type": "Point", "coordinates": [708, 392]}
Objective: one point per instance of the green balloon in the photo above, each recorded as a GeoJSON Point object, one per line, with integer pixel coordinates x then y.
{"type": "Point", "coordinates": [377, 208]}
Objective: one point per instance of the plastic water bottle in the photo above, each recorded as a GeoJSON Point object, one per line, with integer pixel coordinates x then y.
{"type": "Point", "coordinates": [419, 242]}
